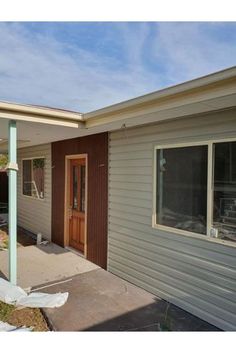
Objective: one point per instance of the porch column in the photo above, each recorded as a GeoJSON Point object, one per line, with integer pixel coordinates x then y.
{"type": "Point", "coordinates": [12, 200]}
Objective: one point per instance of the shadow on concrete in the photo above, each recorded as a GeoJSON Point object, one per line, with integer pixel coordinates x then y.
{"type": "Point", "coordinates": [52, 248]}
{"type": "Point", "coordinates": [159, 316]}
{"type": "Point", "coordinates": [24, 238]}
{"type": "Point", "coordinates": [2, 275]}
{"type": "Point", "coordinates": [101, 301]}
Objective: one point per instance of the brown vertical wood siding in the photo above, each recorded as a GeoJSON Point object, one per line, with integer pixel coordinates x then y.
{"type": "Point", "coordinates": [96, 147]}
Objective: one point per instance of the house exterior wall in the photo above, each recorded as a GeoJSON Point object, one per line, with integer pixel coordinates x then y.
{"type": "Point", "coordinates": [96, 148]}
{"type": "Point", "coordinates": [193, 273]}
{"type": "Point", "coordinates": [34, 214]}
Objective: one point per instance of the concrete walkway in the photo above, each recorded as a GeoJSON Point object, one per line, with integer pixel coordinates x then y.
{"type": "Point", "coordinates": [100, 301]}
{"type": "Point", "coordinates": [39, 265]}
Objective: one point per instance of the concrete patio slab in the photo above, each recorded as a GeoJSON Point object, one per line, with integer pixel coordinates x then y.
{"type": "Point", "coordinates": [101, 301]}
{"type": "Point", "coordinates": [39, 265]}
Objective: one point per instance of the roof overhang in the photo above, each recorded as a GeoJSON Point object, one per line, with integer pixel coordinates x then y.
{"type": "Point", "coordinates": [206, 94]}
{"type": "Point", "coordinates": [37, 114]}
{"type": "Point", "coordinates": [37, 125]}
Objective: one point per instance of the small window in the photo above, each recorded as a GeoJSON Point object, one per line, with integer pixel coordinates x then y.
{"type": "Point", "coordinates": [33, 177]}
{"type": "Point", "coordinates": [181, 185]}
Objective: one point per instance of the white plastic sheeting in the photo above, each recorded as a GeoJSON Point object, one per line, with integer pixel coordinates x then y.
{"type": "Point", "coordinates": [44, 300]}
{"type": "Point", "coordinates": [15, 295]}
{"type": "Point", "coordinates": [5, 327]}
{"type": "Point", "coordinates": [9, 293]}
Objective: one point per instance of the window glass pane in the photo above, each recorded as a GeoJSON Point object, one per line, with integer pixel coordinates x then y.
{"type": "Point", "coordinates": [182, 188]}
{"type": "Point", "coordinates": [224, 213]}
{"type": "Point", "coordinates": [38, 178]}
{"type": "Point", "coordinates": [82, 188]}
{"type": "Point", "coordinates": [33, 177]}
{"type": "Point", "coordinates": [75, 187]}
{"type": "Point", "coordinates": [27, 177]}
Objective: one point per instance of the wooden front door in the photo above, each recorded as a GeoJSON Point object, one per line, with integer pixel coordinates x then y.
{"type": "Point", "coordinates": [77, 203]}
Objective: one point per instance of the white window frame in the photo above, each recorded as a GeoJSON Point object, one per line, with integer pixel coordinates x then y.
{"type": "Point", "coordinates": [210, 179]}
{"type": "Point", "coordinates": [22, 178]}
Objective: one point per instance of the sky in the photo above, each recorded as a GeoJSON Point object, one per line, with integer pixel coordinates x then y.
{"type": "Point", "coordinates": [85, 66]}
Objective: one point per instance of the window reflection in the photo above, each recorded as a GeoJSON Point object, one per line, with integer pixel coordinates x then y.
{"type": "Point", "coordinates": [182, 188]}
{"type": "Point", "coordinates": [75, 188]}
{"type": "Point", "coordinates": [224, 213]}
{"type": "Point", "coordinates": [82, 188]}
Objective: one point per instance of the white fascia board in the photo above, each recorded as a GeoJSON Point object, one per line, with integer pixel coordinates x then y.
{"type": "Point", "coordinates": [40, 111]}
{"type": "Point", "coordinates": [212, 86]}
{"type": "Point", "coordinates": [183, 87]}
{"type": "Point", "coordinates": [33, 118]}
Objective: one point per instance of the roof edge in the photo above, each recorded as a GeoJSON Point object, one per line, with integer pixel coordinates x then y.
{"type": "Point", "coordinates": [197, 83]}
{"type": "Point", "coordinates": [40, 111]}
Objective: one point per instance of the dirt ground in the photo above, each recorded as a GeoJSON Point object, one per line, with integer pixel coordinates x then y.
{"type": "Point", "coordinates": [23, 317]}
{"type": "Point", "coordinates": [20, 316]}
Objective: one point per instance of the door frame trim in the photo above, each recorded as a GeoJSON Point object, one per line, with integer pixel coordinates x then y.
{"type": "Point", "coordinates": [68, 158]}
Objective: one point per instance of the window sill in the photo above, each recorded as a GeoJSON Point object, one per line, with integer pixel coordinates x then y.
{"type": "Point", "coordinates": [188, 234]}
{"type": "Point", "coordinates": [33, 198]}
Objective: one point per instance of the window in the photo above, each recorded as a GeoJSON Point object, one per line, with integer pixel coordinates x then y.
{"type": "Point", "coordinates": [196, 189]}
{"type": "Point", "coordinates": [182, 188]}
{"type": "Point", "coordinates": [224, 213]}
{"type": "Point", "coordinates": [33, 177]}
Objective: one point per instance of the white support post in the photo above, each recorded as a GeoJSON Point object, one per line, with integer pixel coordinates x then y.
{"type": "Point", "coordinates": [12, 200]}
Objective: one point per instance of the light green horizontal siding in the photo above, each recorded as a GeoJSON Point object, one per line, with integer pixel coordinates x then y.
{"type": "Point", "coordinates": [137, 194]}
{"type": "Point", "coordinates": [35, 215]}
{"type": "Point", "coordinates": [197, 274]}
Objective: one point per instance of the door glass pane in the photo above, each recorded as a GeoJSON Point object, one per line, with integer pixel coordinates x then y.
{"type": "Point", "coordinates": [182, 188]}
{"type": "Point", "coordinates": [82, 188]}
{"type": "Point", "coordinates": [75, 187]}
{"type": "Point", "coordinates": [224, 213]}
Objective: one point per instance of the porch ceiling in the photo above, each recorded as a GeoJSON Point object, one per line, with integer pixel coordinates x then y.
{"type": "Point", "coordinates": [29, 134]}
{"type": "Point", "coordinates": [38, 124]}
{"type": "Point", "coordinates": [32, 133]}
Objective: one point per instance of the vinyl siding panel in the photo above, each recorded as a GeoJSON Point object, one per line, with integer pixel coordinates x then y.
{"type": "Point", "coordinates": [197, 274]}
{"type": "Point", "coordinates": [35, 215]}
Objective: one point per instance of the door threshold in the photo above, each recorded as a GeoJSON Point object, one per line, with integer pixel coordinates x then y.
{"type": "Point", "coordinates": [76, 252]}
